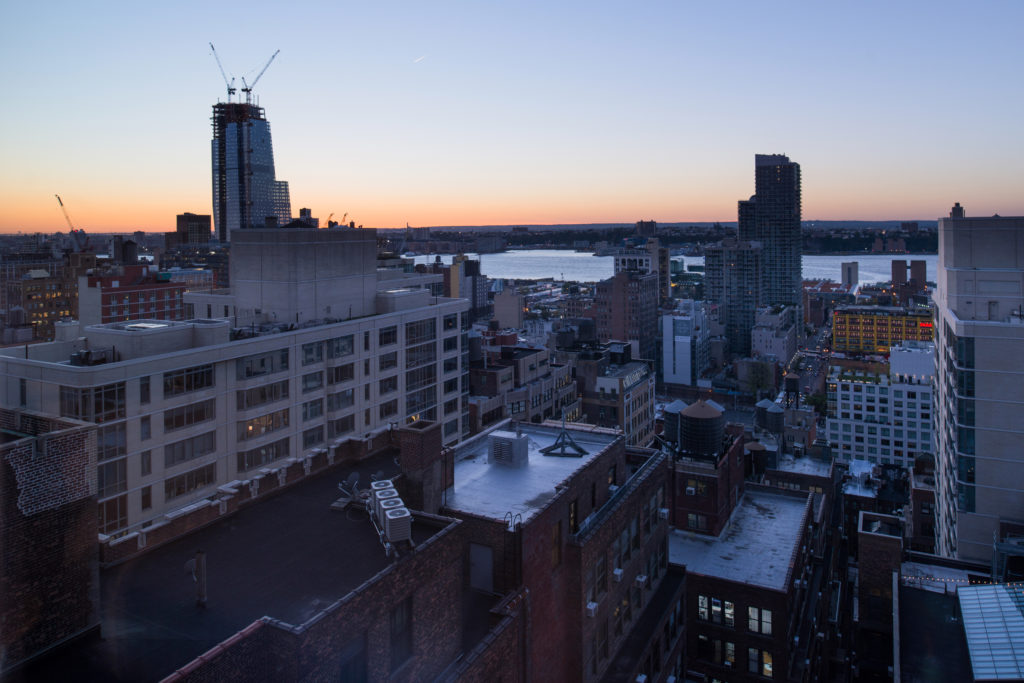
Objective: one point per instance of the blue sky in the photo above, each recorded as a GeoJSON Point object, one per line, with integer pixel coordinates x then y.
{"type": "Point", "coordinates": [527, 112]}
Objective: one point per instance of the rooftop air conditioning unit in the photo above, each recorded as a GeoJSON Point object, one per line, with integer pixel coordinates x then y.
{"type": "Point", "coordinates": [617, 575]}
{"type": "Point", "coordinates": [390, 504]}
{"type": "Point", "coordinates": [641, 580]}
{"type": "Point", "coordinates": [379, 497]}
{"type": "Point", "coordinates": [662, 513]}
{"type": "Point", "coordinates": [381, 485]}
{"type": "Point", "coordinates": [591, 609]}
{"type": "Point", "coordinates": [398, 525]}
{"type": "Point", "coordinates": [508, 449]}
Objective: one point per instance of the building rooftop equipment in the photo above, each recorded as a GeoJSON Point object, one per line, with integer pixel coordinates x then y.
{"type": "Point", "coordinates": [288, 557]}
{"type": "Point", "coordinates": [493, 489]}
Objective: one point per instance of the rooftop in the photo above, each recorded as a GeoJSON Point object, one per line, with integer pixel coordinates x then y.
{"type": "Point", "coordinates": [805, 465]}
{"type": "Point", "coordinates": [937, 653]}
{"type": "Point", "coordinates": [494, 490]}
{"type": "Point", "coordinates": [287, 557]}
{"type": "Point", "coordinates": [757, 546]}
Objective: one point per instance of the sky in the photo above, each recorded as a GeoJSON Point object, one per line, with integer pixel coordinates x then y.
{"type": "Point", "coordinates": [478, 113]}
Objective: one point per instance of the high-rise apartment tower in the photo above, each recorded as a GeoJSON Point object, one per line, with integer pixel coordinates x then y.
{"type": "Point", "coordinates": [245, 189]}
{"type": "Point", "coordinates": [979, 366]}
{"type": "Point", "coordinates": [772, 217]}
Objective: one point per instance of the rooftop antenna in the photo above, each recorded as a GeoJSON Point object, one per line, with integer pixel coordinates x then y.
{"type": "Point", "coordinates": [230, 84]}
{"type": "Point", "coordinates": [563, 442]}
{"type": "Point", "coordinates": [247, 88]}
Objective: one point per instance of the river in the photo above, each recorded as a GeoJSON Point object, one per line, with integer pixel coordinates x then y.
{"type": "Point", "coordinates": [559, 264]}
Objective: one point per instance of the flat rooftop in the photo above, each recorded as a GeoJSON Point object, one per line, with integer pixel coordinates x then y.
{"type": "Point", "coordinates": [494, 490]}
{"type": "Point", "coordinates": [932, 646]}
{"type": "Point", "coordinates": [805, 465]}
{"type": "Point", "coordinates": [287, 557]}
{"type": "Point", "coordinates": [757, 546]}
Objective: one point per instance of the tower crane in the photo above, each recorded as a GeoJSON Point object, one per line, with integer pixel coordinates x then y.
{"type": "Point", "coordinates": [230, 84]}
{"type": "Point", "coordinates": [66, 216]}
{"type": "Point", "coordinates": [246, 88]}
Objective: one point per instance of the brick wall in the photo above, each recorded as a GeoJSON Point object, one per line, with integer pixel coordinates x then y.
{"type": "Point", "coordinates": [49, 579]}
{"type": "Point", "coordinates": [499, 656]}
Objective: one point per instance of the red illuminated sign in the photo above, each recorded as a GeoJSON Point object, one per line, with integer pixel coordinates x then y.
{"type": "Point", "coordinates": [925, 324]}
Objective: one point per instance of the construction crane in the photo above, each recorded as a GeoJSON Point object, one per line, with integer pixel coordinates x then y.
{"type": "Point", "coordinates": [231, 83]}
{"type": "Point", "coordinates": [246, 88]}
{"type": "Point", "coordinates": [329, 219]}
{"type": "Point", "coordinates": [343, 218]}
{"type": "Point", "coordinates": [66, 216]}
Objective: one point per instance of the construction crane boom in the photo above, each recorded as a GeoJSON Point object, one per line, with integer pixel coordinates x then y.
{"type": "Point", "coordinates": [230, 84]}
{"type": "Point", "coordinates": [247, 88]}
{"type": "Point", "coordinates": [66, 216]}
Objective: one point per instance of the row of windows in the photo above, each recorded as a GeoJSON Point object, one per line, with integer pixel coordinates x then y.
{"type": "Point", "coordinates": [189, 414]}
{"type": "Point", "coordinates": [190, 449]}
{"type": "Point", "coordinates": [262, 455]}
{"type": "Point", "coordinates": [266, 393]}
{"type": "Point", "coordinates": [258, 426]}
{"type": "Point", "coordinates": [94, 404]}
{"type": "Point", "coordinates": [188, 380]}
{"type": "Point", "coordinates": [719, 611]}
{"type": "Point", "coordinates": [723, 652]}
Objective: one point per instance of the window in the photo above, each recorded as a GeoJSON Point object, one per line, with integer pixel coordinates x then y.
{"type": "Point", "coordinates": [112, 478]}
{"type": "Point", "coordinates": [759, 662]}
{"type": "Point", "coordinates": [342, 373]}
{"type": "Point", "coordinates": [257, 426]}
{"type": "Point", "coordinates": [188, 380]}
{"type": "Point", "coordinates": [340, 399]}
{"type": "Point", "coordinates": [312, 353]}
{"type": "Point", "coordinates": [420, 355]}
{"type": "Point", "coordinates": [421, 377]}
{"type": "Point", "coordinates": [147, 497]}
{"type": "Point", "coordinates": [389, 408]}
{"type": "Point", "coordinates": [144, 389]}
{"type": "Point", "coordinates": [730, 614]}
{"type": "Point", "coordinates": [343, 425]}
{"type": "Point", "coordinates": [188, 482]}
{"type": "Point", "coordinates": [401, 633]}
{"type": "Point", "coordinates": [95, 404]}
{"type": "Point", "coordinates": [113, 514]}
{"type": "Point", "coordinates": [451, 344]}
{"type": "Point", "coordinates": [190, 449]}
{"type": "Point", "coordinates": [312, 437]}
{"type": "Point", "coordinates": [190, 414]}
{"type": "Point", "coordinates": [312, 381]}
{"type": "Point", "coordinates": [759, 620]}
{"type": "Point", "coordinates": [702, 608]}
{"type": "Point", "coordinates": [262, 455]}
{"type": "Point", "coordinates": [451, 322]}
{"type": "Point", "coordinates": [144, 428]}
{"type": "Point", "coordinates": [420, 331]}
{"type": "Point", "coordinates": [260, 364]}
{"type": "Point", "coordinates": [110, 441]}
{"type": "Point", "coordinates": [146, 463]}
{"type": "Point", "coordinates": [387, 361]}
{"type": "Point", "coordinates": [716, 610]}
{"type": "Point", "coordinates": [257, 396]}
{"type": "Point", "coordinates": [387, 336]}
{"type": "Point", "coordinates": [339, 347]}
{"type": "Point", "coordinates": [312, 409]}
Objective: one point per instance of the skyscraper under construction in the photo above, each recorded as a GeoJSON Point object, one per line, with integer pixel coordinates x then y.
{"type": "Point", "coordinates": [245, 189]}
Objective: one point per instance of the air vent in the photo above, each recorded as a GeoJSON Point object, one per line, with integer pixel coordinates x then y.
{"type": "Point", "coordinates": [509, 449]}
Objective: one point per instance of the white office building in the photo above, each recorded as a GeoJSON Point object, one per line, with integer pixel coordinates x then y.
{"type": "Point", "coordinates": [315, 347]}
{"type": "Point", "coordinates": [884, 419]}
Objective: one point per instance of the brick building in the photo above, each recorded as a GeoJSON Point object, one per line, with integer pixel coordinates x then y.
{"type": "Point", "coordinates": [873, 329]}
{"type": "Point", "coordinates": [131, 292]}
{"type": "Point", "coordinates": [626, 306]}
{"type": "Point", "coordinates": [49, 579]}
